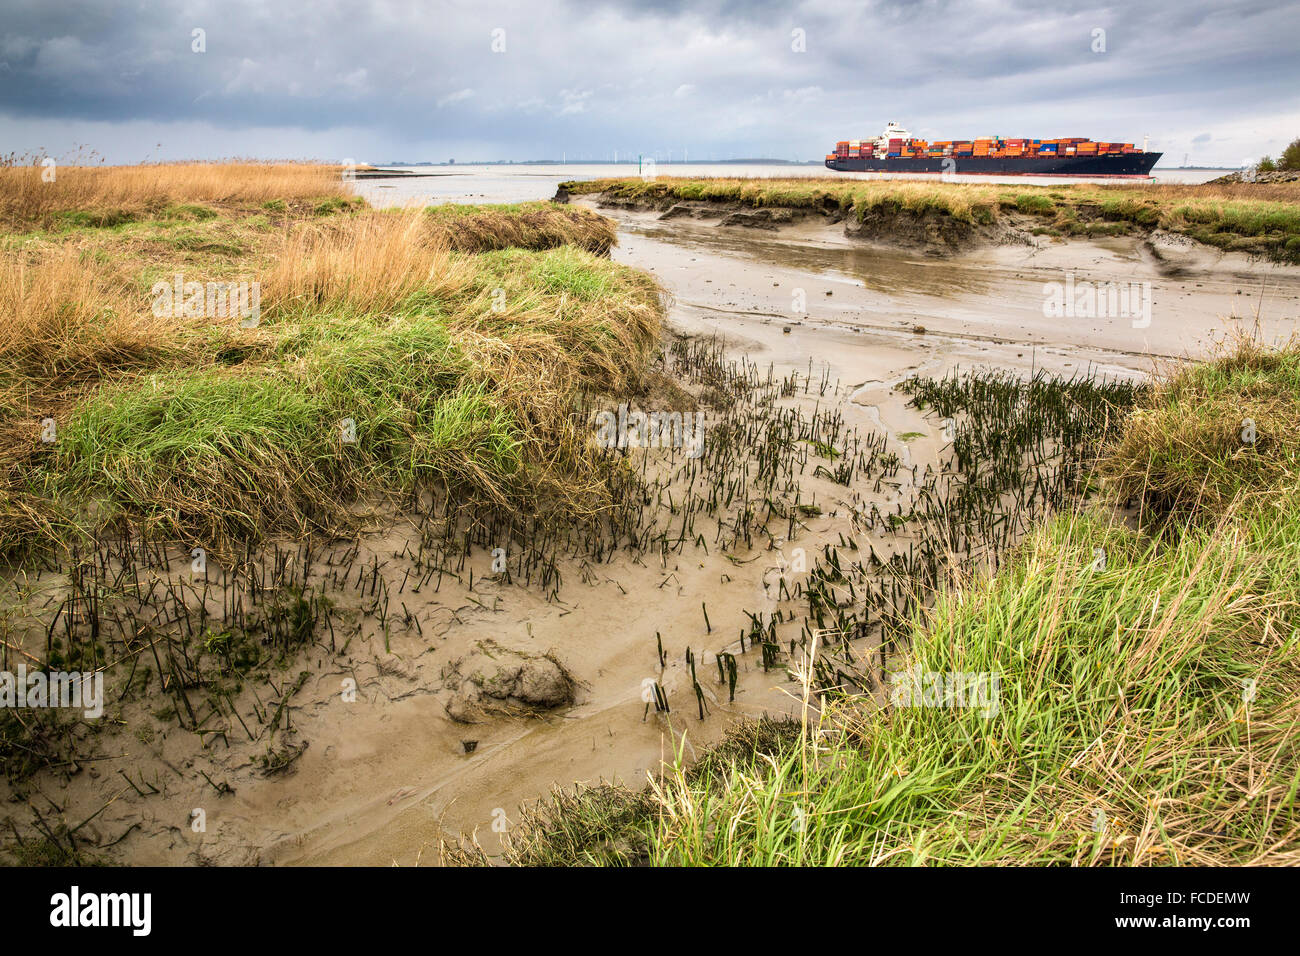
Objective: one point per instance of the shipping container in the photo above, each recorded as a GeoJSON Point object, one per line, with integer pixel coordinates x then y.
{"type": "Point", "coordinates": [993, 154]}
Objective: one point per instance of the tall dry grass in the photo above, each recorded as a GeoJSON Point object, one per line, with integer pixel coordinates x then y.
{"type": "Point", "coordinates": [67, 312]}
{"type": "Point", "coordinates": [537, 225]}
{"type": "Point", "coordinates": [71, 313]}
{"type": "Point", "coordinates": [498, 305]}
{"type": "Point", "coordinates": [368, 263]}
{"type": "Point", "coordinates": [27, 199]}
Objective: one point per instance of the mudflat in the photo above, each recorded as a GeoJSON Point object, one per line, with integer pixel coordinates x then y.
{"type": "Point", "coordinates": [386, 776]}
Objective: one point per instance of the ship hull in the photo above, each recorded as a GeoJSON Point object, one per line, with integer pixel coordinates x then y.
{"type": "Point", "coordinates": [1106, 164]}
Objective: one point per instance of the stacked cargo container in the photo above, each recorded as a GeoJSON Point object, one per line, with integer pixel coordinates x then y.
{"type": "Point", "coordinates": [897, 149]}
{"type": "Point", "coordinates": [993, 146]}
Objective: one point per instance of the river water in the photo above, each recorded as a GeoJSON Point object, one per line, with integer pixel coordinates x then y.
{"type": "Point", "coordinates": [503, 184]}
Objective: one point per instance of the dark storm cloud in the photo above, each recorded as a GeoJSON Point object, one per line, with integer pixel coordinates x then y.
{"type": "Point", "coordinates": [401, 79]}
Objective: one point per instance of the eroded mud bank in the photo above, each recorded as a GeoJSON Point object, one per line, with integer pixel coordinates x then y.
{"type": "Point", "coordinates": [808, 290]}
{"type": "Point", "coordinates": [930, 231]}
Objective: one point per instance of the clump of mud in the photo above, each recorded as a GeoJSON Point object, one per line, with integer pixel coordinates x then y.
{"type": "Point", "coordinates": [736, 214]}
{"type": "Point", "coordinates": [496, 681]}
{"type": "Point", "coordinates": [936, 232]}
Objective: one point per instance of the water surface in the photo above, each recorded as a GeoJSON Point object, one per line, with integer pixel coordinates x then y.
{"type": "Point", "coordinates": [519, 183]}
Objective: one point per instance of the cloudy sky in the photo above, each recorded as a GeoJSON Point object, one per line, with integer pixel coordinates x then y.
{"type": "Point", "coordinates": [396, 80]}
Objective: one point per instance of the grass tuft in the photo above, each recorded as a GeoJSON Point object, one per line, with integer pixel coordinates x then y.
{"type": "Point", "coordinates": [1213, 433]}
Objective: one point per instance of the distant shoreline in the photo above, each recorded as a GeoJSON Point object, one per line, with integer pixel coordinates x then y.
{"type": "Point", "coordinates": [707, 162]}
{"type": "Point", "coordinates": [608, 162]}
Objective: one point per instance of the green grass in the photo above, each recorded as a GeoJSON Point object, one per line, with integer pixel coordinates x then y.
{"type": "Point", "coordinates": [1220, 431]}
{"type": "Point", "coordinates": [192, 211]}
{"type": "Point", "coordinates": [1036, 204]}
{"type": "Point", "coordinates": [334, 204]}
{"type": "Point", "coordinates": [93, 219]}
{"type": "Point", "coordinates": [265, 449]}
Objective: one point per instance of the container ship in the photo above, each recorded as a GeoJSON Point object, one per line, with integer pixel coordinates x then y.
{"type": "Point", "coordinates": [894, 151]}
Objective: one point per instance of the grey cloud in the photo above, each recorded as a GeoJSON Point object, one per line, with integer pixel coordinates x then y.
{"type": "Point", "coordinates": [715, 76]}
